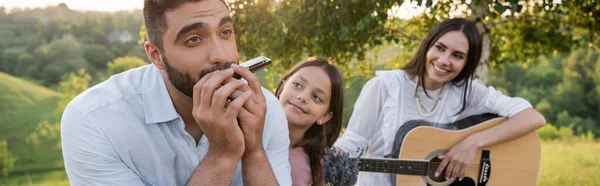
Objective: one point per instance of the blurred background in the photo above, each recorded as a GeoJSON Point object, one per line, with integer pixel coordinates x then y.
{"type": "Point", "coordinates": [545, 51]}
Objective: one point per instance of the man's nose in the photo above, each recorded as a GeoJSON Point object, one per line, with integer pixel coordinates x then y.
{"type": "Point", "coordinates": [217, 53]}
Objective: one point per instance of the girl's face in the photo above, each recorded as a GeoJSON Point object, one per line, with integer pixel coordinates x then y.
{"type": "Point", "coordinates": [305, 97]}
{"type": "Point", "coordinates": [446, 58]}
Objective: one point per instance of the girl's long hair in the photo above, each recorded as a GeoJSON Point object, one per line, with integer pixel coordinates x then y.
{"type": "Point", "coordinates": [319, 137]}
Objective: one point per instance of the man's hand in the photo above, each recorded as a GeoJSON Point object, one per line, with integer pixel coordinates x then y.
{"type": "Point", "coordinates": [252, 122]}
{"type": "Point", "coordinates": [216, 117]}
{"type": "Point", "coordinates": [252, 115]}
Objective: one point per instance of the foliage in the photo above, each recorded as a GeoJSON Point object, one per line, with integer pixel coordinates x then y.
{"type": "Point", "coordinates": [565, 134]}
{"type": "Point", "coordinates": [123, 64]}
{"type": "Point", "coordinates": [22, 106]}
{"type": "Point", "coordinates": [98, 55]}
{"type": "Point", "coordinates": [71, 85]}
{"type": "Point", "coordinates": [59, 57]}
{"type": "Point", "coordinates": [46, 43]}
{"type": "Point", "coordinates": [564, 88]}
{"type": "Point", "coordinates": [345, 30]}
{"type": "Point", "coordinates": [7, 159]}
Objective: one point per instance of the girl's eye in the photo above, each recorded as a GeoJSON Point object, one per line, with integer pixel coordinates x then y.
{"type": "Point", "coordinates": [318, 98]}
{"type": "Point", "coordinates": [296, 84]}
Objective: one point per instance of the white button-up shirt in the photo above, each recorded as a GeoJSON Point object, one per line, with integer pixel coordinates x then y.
{"type": "Point", "coordinates": [126, 131]}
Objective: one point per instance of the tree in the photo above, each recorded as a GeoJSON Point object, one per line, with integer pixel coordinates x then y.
{"type": "Point", "coordinates": [10, 58]}
{"type": "Point", "coordinates": [7, 159]}
{"type": "Point", "coordinates": [513, 31]}
{"type": "Point", "coordinates": [123, 64]}
{"type": "Point", "coordinates": [27, 65]}
{"type": "Point", "coordinates": [288, 31]}
{"type": "Point", "coordinates": [138, 51]}
{"type": "Point", "coordinates": [579, 92]}
{"type": "Point", "coordinates": [520, 31]}
{"type": "Point", "coordinates": [97, 55]}
{"type": "Point", "coordinates": [564, 88]}
{"type": "Point", "coordinates": [59, 57]}
{"type": "Point", "coordinates": [34, 42]}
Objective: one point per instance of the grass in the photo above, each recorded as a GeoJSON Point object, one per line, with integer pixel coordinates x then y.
{"type": "Point", "coordinates": [576, 163]}
{"type": "Point", "coordinates": [51, 178]}
{"type": "Point", "coordinates": [563, 163]}
{"type": "Point", "coordinates": [22, 106]}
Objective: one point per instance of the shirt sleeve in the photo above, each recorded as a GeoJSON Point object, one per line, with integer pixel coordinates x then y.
{"type": "Point", "coordinates": [277, 148]}
{"type": "Point", "coordinates": [89, 157]}
{"type": "Point", "coordinates": [490, 100]}
{"type": "Point", "coordinates": [363, 122]}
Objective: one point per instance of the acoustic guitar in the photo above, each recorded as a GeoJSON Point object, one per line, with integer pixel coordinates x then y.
{"type": "Point", "coordinates": [516, 162]}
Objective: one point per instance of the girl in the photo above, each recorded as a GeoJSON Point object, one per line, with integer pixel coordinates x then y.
{"type": "Point", "coordinates": [436, 86]}
{"type": "Point", "coordinates": [311, 94]}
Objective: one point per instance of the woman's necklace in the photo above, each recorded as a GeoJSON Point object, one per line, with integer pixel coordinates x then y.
{"type": "Point", "coordinates": [426, 112]}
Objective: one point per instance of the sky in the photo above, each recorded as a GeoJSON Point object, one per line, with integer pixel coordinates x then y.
{"type": "Point", "coordinates": [405, 11]}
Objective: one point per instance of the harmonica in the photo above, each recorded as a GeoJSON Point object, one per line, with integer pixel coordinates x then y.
{"type": "Point", "coordinates": [254, 65]}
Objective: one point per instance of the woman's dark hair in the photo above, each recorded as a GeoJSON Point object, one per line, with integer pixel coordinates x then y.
{"type": "Point", "coordinates": [416, 66]}
{"type": "Point", "coordinates": [319, 137]}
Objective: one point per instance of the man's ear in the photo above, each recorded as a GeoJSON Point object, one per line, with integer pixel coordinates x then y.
{"type": "Point", "coordinates": [154, 55]}
{"type": "Point", "coordinates": [325, 118]}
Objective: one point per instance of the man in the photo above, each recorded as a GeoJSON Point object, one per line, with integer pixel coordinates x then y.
{"type": "Point", "coordinates": [183, 119]}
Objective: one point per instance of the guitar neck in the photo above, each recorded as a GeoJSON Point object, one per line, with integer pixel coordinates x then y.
{"type": "Point", "coordinates": [395, 166]}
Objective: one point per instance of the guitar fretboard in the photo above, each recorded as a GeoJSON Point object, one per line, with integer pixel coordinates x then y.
{"type": "Point", "coordinates": [407, 167]}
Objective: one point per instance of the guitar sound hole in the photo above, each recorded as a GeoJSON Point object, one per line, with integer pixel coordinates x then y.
{"type": "Point", "coordinates": [465, 182]}
{"type": "Point", "coordinates": [433, 165]}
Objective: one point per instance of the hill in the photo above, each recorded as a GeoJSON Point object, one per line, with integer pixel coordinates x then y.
{"type": "Point", "coordinates": [23, 105]}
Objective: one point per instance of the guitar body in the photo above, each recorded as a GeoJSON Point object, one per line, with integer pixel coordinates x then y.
{"type": "Point", "coordinates": [516, 162]}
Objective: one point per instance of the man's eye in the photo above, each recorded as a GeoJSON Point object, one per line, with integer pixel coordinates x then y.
{"type": "Point", "coordinates": [227, 33]}
{"type": "Point", "coordinates": [194, 40]}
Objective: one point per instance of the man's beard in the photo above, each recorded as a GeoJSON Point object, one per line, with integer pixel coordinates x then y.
{"type": "Point", "coordinates": [184, 82]}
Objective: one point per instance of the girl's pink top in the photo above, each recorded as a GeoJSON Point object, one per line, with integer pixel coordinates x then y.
{"type": "Point", "coordinates": [300, 164]}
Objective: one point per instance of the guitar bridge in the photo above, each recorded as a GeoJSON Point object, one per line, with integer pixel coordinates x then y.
{"type": "Point", "coordinates": [485, 168]}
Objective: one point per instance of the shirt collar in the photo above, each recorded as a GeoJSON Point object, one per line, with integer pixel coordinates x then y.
{"type": "Point", "coordinates": [158, 106]}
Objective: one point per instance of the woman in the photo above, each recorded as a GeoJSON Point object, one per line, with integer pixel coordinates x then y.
{"type": "Point", "coordinates": [436, 86]}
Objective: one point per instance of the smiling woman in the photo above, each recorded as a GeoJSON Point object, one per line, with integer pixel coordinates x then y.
{"type": "Point", "coordinates": [436, 86]}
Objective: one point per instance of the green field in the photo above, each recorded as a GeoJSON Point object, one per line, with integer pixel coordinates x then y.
{"type": "Point", "coordinates": [570, 163]}
{"type": "Point", "coordinates": [23, 105]}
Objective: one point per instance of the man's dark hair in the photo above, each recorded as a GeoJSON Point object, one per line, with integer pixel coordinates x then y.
{"type": "Point", "coordinates": [155, 20]}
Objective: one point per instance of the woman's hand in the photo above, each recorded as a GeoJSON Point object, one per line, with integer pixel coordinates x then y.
{"type": "Point", "coordinates": [458, 159]}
